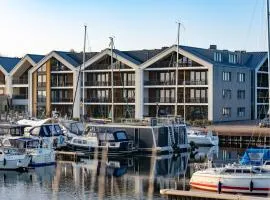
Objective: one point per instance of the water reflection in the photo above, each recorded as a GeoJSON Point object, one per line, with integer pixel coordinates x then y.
{"type": "Point", "coordinates": [137, 177]}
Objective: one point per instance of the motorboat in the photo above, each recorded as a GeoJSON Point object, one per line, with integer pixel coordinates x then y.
{"type": "Point", "coordinates": [71, 128]}
{"type": "Point", "coordinates": [159, 135]}
{"type": "Point", "coordinates": [255, 156]}
{"type": "Point", "coordinates": [233, 178]}
{"type": "Point", "coordinates": [13, 159]}
{"type": "Point", "coordinates": [115, 142]}
{"type": "Point", "coordinates": [40, 156]}
{"type": "Point", "coordinates": [51, 134]}
{"type": "Point", "coordinates": [201, 138]}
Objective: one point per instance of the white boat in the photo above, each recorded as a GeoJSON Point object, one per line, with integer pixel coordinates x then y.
{"type": "Point", "coordinates": [12, 159]}
{"type": "Point", "coordinates": [114, 142]}
{"type": "Point", "coordinates": [201, 138]}
{"type": "Point", "coordinates": [40, 156]}
{"type": "Point", "coordinates": [233, 178]}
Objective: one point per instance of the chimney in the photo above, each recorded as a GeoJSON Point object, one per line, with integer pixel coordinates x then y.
{"type": "Point", "coordinates": [213, 47]}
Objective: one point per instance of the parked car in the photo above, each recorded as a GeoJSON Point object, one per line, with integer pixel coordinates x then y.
{"type": "Point", "coordinates": [265, 123]}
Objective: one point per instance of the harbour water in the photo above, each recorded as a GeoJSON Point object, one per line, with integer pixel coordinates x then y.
{"type": "Point", "coordinates": [133, 177]}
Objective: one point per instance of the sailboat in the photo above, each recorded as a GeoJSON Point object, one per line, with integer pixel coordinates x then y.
{"type": "Point", "coordinates": [247, 177]}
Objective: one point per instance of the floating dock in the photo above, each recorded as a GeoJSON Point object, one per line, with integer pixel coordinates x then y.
{"type": "Point", "coordinates": [67, 155]}
{"type": "Point", "coordinates": [180, 194]}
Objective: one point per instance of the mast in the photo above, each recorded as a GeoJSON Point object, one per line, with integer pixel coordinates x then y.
{"type": "Point", "coordinates": [176, 72]}
{"type": "Point", "coordinates": [83, 97]}
{"type": "Point", "coordinates": [268, 31]}
{"type": "Point", "coordinates": [112, 88]}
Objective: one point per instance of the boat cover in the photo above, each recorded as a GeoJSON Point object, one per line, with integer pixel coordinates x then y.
{"type": "Point", "coordinates": [255, 156]}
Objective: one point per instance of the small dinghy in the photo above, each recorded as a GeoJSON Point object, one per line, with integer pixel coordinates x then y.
{"type": "Point", "coordinates": [233, 179]}
{"type": "Point", "coordinates": [13, 159]}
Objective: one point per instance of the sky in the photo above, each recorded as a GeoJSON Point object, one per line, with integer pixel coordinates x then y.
{"type": "Point", "coordinates": [40, 26]}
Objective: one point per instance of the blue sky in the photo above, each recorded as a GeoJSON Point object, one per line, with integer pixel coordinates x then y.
{"type": "Point", "coordinates": [40, 26]}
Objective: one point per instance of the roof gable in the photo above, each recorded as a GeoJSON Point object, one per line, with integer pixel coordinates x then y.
{"type": "Point", "coordinates": [8, 63]}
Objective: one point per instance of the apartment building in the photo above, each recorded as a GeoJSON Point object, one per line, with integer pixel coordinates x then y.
{"type": "Point", "coordinates": [213, 84]}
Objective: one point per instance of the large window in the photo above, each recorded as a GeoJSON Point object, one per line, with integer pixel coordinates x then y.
{"type": "Point", "coordinates": [217, 57]}
{"type": "Point", "coordinates": [226, 94]}
{"type": "Point", "coordinates": [226, 76]}
{"type": "Point", "coordinates": [241, 94]}
{"type": "Point", "coordinates": [232, 58]}
{"type": "Point", "coordinates": [198, 78]}
{"type": "Point", "coordinates": [241, 111]}
{"type": "Point", "coordinates": [241, 77]}
{"type": "Point", "coordinates": [226, 112]}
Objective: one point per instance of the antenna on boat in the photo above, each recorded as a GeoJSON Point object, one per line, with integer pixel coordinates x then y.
{"type": "Point", "coordinates": [268, 31]}
{"type": "Point", "coordinates": [179, 24]}
{"type": "Point", "coordinates": [83, 92]}
{"type": "Point", "coordinates": [112, 88]}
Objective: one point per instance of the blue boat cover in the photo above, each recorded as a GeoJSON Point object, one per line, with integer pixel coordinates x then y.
{"type": "Point", "coordinates": [255, 156]}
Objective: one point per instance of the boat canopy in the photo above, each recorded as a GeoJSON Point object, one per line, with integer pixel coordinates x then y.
{"type": "Point", "coordinates": [255, 156]}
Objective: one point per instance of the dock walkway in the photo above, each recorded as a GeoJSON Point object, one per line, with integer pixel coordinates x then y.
{"type": "Point", "coordinates": [179, 194]}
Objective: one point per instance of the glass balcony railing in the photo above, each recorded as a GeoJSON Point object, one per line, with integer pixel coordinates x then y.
{"type": "Point", "coordinates": [160, 100]}
{"type": "Point", "coordinates": [20, 81]}
{"type": "Point", "coordinates": [98, 100]}
{"type": "Point", "coordinates": [61, 99]}
{"type": "Point", "coordinates": [20, 96]}
{"type": "Point", "coordinates": [159, 82]}
{"type": "Point", "coordinates": [61, 84]}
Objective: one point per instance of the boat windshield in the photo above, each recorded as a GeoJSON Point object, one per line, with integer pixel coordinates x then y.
{"type": "Point", "coordinates": [12, 131]}
{"type": "Point", "coordinates": [121, 135]}
{"type": "Point", "coordinates": [54, 130]}
{"type": "Point", "coordinates": [106, 136]}
{"type": "Point", "coordinates": [77, 128]}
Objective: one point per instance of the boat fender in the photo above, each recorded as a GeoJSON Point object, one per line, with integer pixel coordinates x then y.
{"type": "Point", "coordinates": [4, 162]}
{"type": "Point", "coordinates": [251, 186]}
{"type": "Point", "coordinates": [219, 187]}
{"type": "Point", "coordinates": [62, 139]}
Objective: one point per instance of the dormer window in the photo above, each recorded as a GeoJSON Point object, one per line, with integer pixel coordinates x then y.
{"type": "Point", "coordinates": [232, 58]}
{"type": "Point", "coordinates": [217, 57]}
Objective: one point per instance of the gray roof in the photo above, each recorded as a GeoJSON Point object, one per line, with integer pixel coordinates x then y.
{"type": "Point", "coordinates": [247, 59]}
{"type": "Point", "coordinates": [36, 58]}
{"type": "Point", "coordinates": [142, 56]}
{"type": "Point", "coordinates": [8, 63]}
{"type": "Point", "coordinates": [75, 58]}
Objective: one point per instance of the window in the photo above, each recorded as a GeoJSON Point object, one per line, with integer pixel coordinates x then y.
{"type": "Point", "coordinates": [226, 94]}
{"type": "Point", "coordinates": [241, 112]}
{"type": "Point", "coordinates": [232, 58]}
{"type": "Point", "coordinates": [241, 77]}
{"type": "Point", "coordinates": [217, 57]}
{"type": "Point", "coordinates": [226, 112]}
{"type": "Point", "coordinates": [226, 76]}
{"type": "Point", "coordinates": [241, 94]}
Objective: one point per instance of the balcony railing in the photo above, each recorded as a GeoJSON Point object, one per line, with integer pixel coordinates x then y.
{"type": "Point", "coordinates": [41, 99]}
{"type": "Point", "coordinates": [98, 100]}
{"type": "Point", "coordinates": [61, 84]}
{"type": "Point", "coordinates": [20, 96]}
{"type": "Point", "coordinates": [196, 100]}
{"type": "Point", "coordinates": [159, 82]}
{"type": "Point", "coordinates": [41, 84]}
{"type": "Point", "coordinates": [2, 82]}
{"type": "Point", "coordinates": [97, 83]}
{"type": "Point", "coordinates": [124, 100]}
{"type": "Point", "coordinates": [20, 81]}
{"type": "Point", "coordinates": [62, 99]}
{"type": "Point", "coordinates": [159, 100]}
{"type": "Point", "coordinates": [108, 83]}
{"type": "Point", "coordinates": [124, 83]}
{"type": "Point", "coordinates": [193, 82]}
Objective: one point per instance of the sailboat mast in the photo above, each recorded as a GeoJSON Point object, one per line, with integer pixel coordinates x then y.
{"type": "Point", "coordinates": [112, 88]}
{"type": "Point", "coordinates": [176, 71]}
{"type": "Point", "coordinates": [83, 92]}
{"type": "Point", "coordinates": [268, 31]}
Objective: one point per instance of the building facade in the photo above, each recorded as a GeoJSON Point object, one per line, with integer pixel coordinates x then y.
{"type": "Point", "coordinates": [211, 84]}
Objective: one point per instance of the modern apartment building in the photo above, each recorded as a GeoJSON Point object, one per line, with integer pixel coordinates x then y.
{"type": "Point", "coordinates": [218, 85]}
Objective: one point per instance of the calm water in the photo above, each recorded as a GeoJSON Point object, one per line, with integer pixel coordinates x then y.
{"type": "Point", "coordinates": [139, 177]}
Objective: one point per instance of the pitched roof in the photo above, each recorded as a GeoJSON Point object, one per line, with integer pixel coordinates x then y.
{"type": "Point", "coordinates": [75, 58]}
{"type": "Point", "coordinates": [36, 58]}
{"type": "Point", "coordinates": [248, 59]}
{"type": "Point", "coordinates": [8, 63]}
{"type": "Point", "coordinates": [142, 56]}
